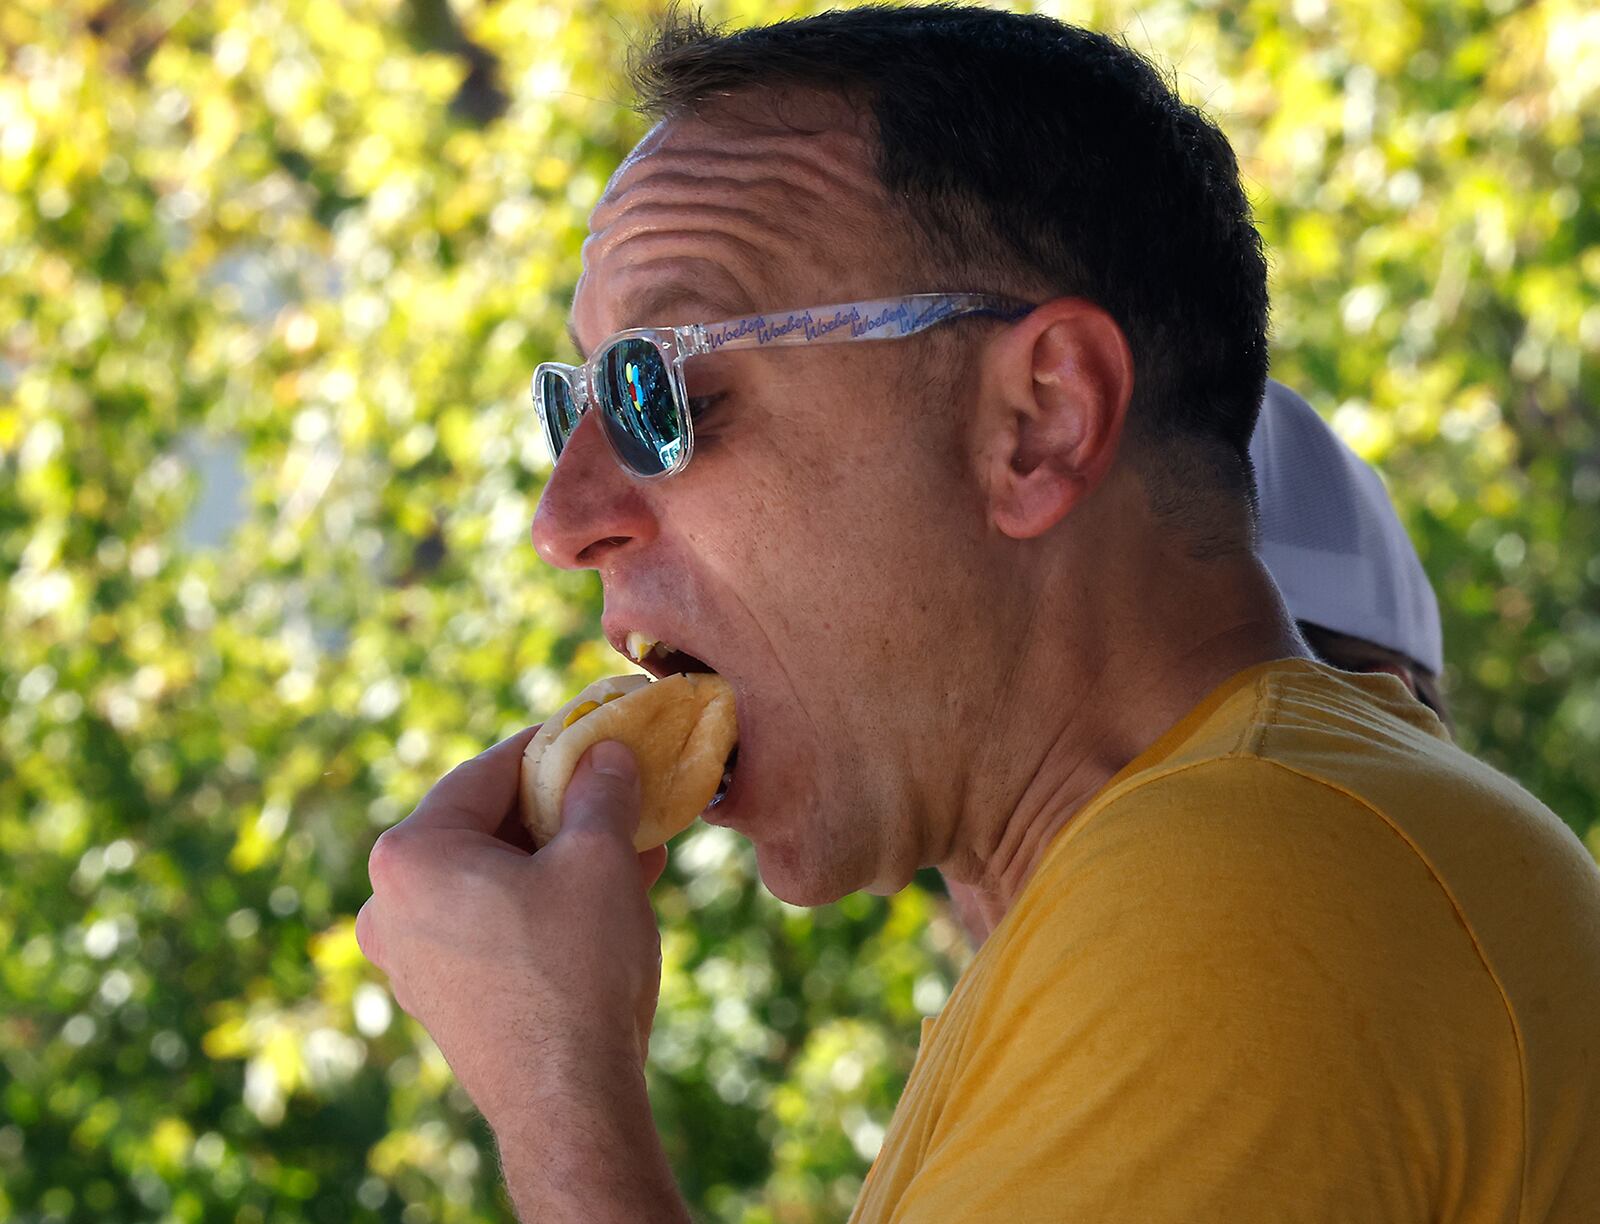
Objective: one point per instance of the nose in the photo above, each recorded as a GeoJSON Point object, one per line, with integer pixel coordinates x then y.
{"type": "Point", "coordinates": [591, 510]}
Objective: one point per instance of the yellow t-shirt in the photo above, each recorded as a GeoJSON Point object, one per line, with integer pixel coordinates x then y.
{"type": "Point", "coordinates": [1303, 960]}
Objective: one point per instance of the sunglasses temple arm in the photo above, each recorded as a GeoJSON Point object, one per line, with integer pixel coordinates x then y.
{"type": "Point", "coordinates": [886, 319]}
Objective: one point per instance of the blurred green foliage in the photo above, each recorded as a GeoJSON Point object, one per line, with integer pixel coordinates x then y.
{"type": "Point", "coordinates": [273, 275]}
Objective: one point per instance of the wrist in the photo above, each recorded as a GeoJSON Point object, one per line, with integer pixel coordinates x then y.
{"type": "Point", "coordinates": [558, 1076]}
{"type": "Point", "coordinates": [584, 1148]}
{"type": "Point", "coordinates": [507, 1080]}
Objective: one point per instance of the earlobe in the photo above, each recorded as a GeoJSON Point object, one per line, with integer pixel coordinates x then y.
{"type": "Point", "coordinates": [1062, 380]}
{"type": "Point", "coordinates": [1034, 501]}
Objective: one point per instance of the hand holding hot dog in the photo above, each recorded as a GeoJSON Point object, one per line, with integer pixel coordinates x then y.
{"type": "Point", "coordinates": [511, 959]}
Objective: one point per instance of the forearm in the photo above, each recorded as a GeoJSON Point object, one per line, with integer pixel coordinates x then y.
{"type": "Point", "coordinates": [588, 1152]}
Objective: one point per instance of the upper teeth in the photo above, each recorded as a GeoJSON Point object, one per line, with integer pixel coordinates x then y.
{"type": "Point", "coordinates": [639, 646]}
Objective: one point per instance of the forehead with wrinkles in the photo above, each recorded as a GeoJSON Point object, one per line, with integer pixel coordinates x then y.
{"type": "Point", "coordinates": [715, 217]}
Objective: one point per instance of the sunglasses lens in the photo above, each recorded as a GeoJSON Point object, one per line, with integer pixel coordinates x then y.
{"type": "Point", "coordinates": [560, 413]}
{"type": "Point", "coordinates": [638, 409]}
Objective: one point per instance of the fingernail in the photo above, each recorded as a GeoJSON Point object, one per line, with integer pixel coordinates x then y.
{"type": "Point", "coordinates": [612, 759]}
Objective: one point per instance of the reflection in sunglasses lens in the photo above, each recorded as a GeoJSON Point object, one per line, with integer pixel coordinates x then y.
{"type": "Point", "coordinates": [638, 409]}
{"type": "Point", "coordinates": [561, 414]}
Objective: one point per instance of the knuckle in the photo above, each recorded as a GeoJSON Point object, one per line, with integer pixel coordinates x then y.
{"type": "Point", "coordinates": [601, 794]}
{"type": "Point", "coordinates": [389, 862]}
{"type": "Point", "coordinates": [589, 843]}
{"type": "Point", "coordinates": [366, 933]}
{"type": "Point", "coordinates": [619, 792]}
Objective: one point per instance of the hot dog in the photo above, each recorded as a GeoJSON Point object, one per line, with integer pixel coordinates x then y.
{"type": "Point", "coordinates": [681, 729]}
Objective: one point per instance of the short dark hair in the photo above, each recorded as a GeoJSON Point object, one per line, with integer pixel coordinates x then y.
{"type": "Point", "coordinates": [1047, 158]}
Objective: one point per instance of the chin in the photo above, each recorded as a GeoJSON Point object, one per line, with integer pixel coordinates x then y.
{"type": "Point", "coordinates": [792, 875]}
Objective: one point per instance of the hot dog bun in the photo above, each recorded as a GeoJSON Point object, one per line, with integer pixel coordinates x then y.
{"type": "Point", "coordinates": [681, 730]}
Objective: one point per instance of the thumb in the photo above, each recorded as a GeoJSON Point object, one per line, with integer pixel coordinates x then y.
{"type": "Point", "coordinates": [604, 792]}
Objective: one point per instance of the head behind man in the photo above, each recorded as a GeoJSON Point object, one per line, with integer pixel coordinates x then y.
{"type": "Point", "coordinates": [956, 581]}
{"type": "Point", "coordinates": [1340, 555]}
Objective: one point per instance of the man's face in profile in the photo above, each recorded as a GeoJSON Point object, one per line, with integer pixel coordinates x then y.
{"type": "Point", "coordinates": [810, 551]}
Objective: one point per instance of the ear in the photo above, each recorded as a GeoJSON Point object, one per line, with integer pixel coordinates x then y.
{"type": "Point", "coordinates": [1055, 392]}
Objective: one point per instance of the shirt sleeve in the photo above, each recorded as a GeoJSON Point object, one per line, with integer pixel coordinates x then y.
{"type": "Point", "coordinates": [1239, 996]}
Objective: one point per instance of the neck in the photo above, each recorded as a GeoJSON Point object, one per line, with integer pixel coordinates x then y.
{"type": "Point", "coordinates": [1115, 701]}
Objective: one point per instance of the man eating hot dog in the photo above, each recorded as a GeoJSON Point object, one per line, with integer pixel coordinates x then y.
{"type": "Point", "coordinates": [919, 352]}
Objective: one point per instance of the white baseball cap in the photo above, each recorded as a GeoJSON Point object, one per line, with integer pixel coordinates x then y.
{"type": "Point", "coordinates": [1330, 538]}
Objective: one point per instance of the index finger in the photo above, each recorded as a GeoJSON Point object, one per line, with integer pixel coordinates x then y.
{"type": "Point", "coordinates": [478, 793]}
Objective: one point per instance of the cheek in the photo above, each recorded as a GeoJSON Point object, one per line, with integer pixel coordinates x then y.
{"type": "Point", "coordinates": [841, 544]}
{"type": "Point", "coordinates": [853, 553]}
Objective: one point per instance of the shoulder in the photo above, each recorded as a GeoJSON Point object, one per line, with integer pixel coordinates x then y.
{"type": "Point", "coordinates": [1225, 834]}
{"type": "Point", "coordinates": [1272, 902]}
{"type": "Point", "coordinates": [1229, 987]}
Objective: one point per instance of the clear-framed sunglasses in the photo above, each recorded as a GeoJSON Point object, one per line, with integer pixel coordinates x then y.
{"type": "Point", "coordinates": [636, 376]}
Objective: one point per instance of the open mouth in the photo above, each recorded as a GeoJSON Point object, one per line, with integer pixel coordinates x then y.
{"type": "Point", "coordinates": [661, 661]}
